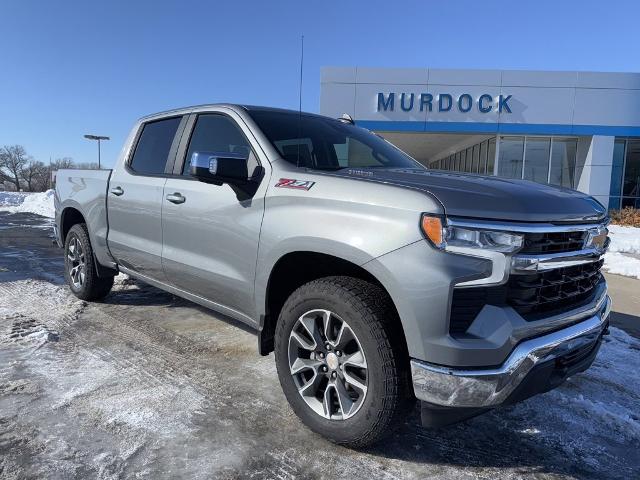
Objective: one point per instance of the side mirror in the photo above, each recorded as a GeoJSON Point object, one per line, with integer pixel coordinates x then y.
{"type": "Point", "coordinates": [220, 167]}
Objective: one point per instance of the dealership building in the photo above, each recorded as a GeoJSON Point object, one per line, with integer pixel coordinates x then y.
{"type": "Point", "coordinates": [579, 130]}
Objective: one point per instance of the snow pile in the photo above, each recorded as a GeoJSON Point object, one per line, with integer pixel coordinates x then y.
{"type": "Point", "coordinates": [621, 264]}
{"type": "Point", "coordinates": [623, 257]}
{"type": "Point", "coordinates": [11, 199]}
{"type": "Point", "coordinates": [624, 239]}
{"type": "Point", "coordinates": [38, 203]}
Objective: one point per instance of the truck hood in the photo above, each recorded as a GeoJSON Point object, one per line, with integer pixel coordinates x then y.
{"type": "Point", "coordinates": [468, 195]}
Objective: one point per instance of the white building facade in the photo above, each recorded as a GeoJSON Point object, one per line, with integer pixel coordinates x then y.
{"type": "Point", "coordinates": [579, 130]}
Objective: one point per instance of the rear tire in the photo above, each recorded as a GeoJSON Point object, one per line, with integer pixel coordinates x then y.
{"type": "Point", "coordinates": [79, 267]}
{"type": "Point", "coordinates": [348, 378]}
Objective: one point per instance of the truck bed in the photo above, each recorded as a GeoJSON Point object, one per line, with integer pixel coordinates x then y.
{"type": "Point", "coordinates": [86, 191]}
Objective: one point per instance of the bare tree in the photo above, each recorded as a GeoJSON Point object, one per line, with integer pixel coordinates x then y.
{"type": "Point", "coordinates": [88, 165]}
{"type": "Point", "coordinates": [36, 176]}
{"type": "Point", "coordinates": [42, 180]}
{"type": "Point", "coordinates": [13, 158]}
{"type": "Point", "coordinates": [65, 162]}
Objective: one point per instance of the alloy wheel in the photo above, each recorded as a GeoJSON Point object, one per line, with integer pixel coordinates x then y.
{"type": "Point", "coordinates": [328, 365]}
{"type": "Point", "coordinates": [77, 262]}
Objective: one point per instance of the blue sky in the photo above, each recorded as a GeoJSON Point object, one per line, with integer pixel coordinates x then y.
{"type": "Point", "coordinates": [76, 67]}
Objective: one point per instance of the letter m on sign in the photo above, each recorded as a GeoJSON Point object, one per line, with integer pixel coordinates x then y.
{"type": "Point", "coordinates": [386, 105]}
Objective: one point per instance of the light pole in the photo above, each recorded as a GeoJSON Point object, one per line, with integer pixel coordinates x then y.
{"type": "Point", "coordinates": [98, 138]}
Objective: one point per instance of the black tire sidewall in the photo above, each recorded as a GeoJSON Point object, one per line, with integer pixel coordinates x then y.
{"type": "Point", "coordinates": [359, 425]}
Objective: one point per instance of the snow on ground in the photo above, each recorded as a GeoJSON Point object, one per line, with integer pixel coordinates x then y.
{"type": "Point", "coordinates": [147, 385]}
{"type": "Point", "coordinates": [40, 203]}
{"type": "Point", "coordinates": [79, 369]}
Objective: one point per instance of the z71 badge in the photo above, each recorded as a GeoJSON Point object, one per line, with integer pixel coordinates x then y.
{"type": "Point", "coordinates": [295, 184]}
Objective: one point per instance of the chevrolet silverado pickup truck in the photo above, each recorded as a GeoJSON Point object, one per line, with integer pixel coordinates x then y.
{"type": "Point", "coordinates": [375, 281]}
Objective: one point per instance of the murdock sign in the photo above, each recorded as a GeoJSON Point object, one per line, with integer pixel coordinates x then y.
{"type": "Point", "coordinates": [442, 102]}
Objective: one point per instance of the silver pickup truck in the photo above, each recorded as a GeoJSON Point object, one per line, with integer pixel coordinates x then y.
{"type": "Point", "coordinates": [374, 280]}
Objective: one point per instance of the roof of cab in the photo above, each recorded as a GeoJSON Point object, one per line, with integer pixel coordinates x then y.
{"type": "Point", "coordinates": [249, 108]}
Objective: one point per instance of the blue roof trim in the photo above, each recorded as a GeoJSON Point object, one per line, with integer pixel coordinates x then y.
{"type": "Point", "coordinates": [504, 128]}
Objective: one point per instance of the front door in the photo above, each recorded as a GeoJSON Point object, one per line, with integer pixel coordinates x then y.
{"type": "Point", "coordinates": [135, 200]}
{"type": "Point", "coordinates": [211, 232]}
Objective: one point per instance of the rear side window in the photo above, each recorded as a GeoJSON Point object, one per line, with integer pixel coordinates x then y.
{"type": "Point", "coordinates": [152, 150]}
{"type": "Point", "coordinates": [216, 134]}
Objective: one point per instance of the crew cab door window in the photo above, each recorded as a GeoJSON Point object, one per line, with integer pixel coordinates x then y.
{"type": "Point", "coordinates": [216, 133]}
{"type": "Point", "coordinates": [152, 151]}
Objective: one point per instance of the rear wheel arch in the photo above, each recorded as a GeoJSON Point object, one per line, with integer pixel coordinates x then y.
{"type": "Point", "coordinates": [70, 216]}
{"type": "Point", "coordinates": [295, 269]}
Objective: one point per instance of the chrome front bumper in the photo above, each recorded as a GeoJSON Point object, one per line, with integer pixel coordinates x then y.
{"type": "Point", "coordinates": [484, 388]}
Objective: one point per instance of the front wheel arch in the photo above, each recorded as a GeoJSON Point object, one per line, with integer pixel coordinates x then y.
{"type": "Point", "coordinates": [293, 270]}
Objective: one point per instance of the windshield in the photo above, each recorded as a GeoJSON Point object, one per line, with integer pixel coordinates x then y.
{"type": "Point", "coordinates": [327, 144]}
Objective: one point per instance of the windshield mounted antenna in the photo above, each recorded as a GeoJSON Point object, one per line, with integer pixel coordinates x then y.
{"type": "Point", "coordinates": [300, 99]}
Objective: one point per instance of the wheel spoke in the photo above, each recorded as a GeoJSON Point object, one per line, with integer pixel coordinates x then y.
{"type": "Point", "coordinates": [327, 403]}
{"type": "Point", "coordinates": [345, 401]}
{"type": "Point", "coordinates": [295, 336]}
{"type": "Point", "coordinates": [301, 364]}
{"type": "Point", "coordinates": [355, 359]}
{"type": "Point", "coordinates": [328, 320]}
{"type": "Point", "coordinates": [354, 382]}
{"type": "Point", "coordinates": [344, 336]}
{"type": "Point", "coordinates": [72, 250]}
{"type": "Point", "coordinates": [310, 325]}
{"type": "Point", "coordinates": [310, 387]}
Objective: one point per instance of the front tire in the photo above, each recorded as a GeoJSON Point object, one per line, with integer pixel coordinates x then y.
{"type": "Point", "coordinates": [342, 360]}
{"type": "Point", "coordinates": [79, 267]}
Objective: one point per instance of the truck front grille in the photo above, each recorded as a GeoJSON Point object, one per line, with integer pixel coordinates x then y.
{"type": "Point", "coordinates": [553, 242]}
{"type": "Point", "coordinates": [560, 289]}
{"type": "Point", "coordinates": [533, 296]}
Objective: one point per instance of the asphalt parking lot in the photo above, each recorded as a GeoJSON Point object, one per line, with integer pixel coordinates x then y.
{"type": "Point", "coordinates": [147, 385]}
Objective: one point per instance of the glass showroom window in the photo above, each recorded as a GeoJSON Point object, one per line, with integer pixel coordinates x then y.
{"type": "Point", "coordinates": [625, 174]}
{"type": "Point", "coordinates": [541, 159]}
{"type": "Point", "coordinates": [631, 183]}
{"type": "Point", "coordinates": [617, 171]}
{"type": "Point", "coordinates": [536, 159]}
{"type": "Point", "coordinates": [476, 159]}
{"type": "Point", "coordinates": [483, 157]}
{"type": "Point", "coordinates": [563, 162]}
{"type": "Point", "coordinates": [511, 157]}
{"type": "Point", "coordinates": [491, 156]}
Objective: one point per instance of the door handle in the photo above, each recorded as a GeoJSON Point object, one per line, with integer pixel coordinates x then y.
{"type": "Point", "coordinates": [176, 198]}
{"type": "Point", "coordinates": [117, 191]}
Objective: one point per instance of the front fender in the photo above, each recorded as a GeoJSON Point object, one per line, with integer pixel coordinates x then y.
{"type": "Point", "coordinates": [267, 260]}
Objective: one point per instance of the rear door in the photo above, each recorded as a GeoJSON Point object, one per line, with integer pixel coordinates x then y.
{"type": "Point", "coordinates": [135, 197]}
{"type": "Point", "coordinates": [211, 236]}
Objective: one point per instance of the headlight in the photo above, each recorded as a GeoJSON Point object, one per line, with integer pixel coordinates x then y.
{"type": "Point", "coordinates": [443, 236]}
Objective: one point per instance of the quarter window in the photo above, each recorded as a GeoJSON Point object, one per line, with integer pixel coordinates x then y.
{"type": "Point", "coordinates": [152, 151]}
